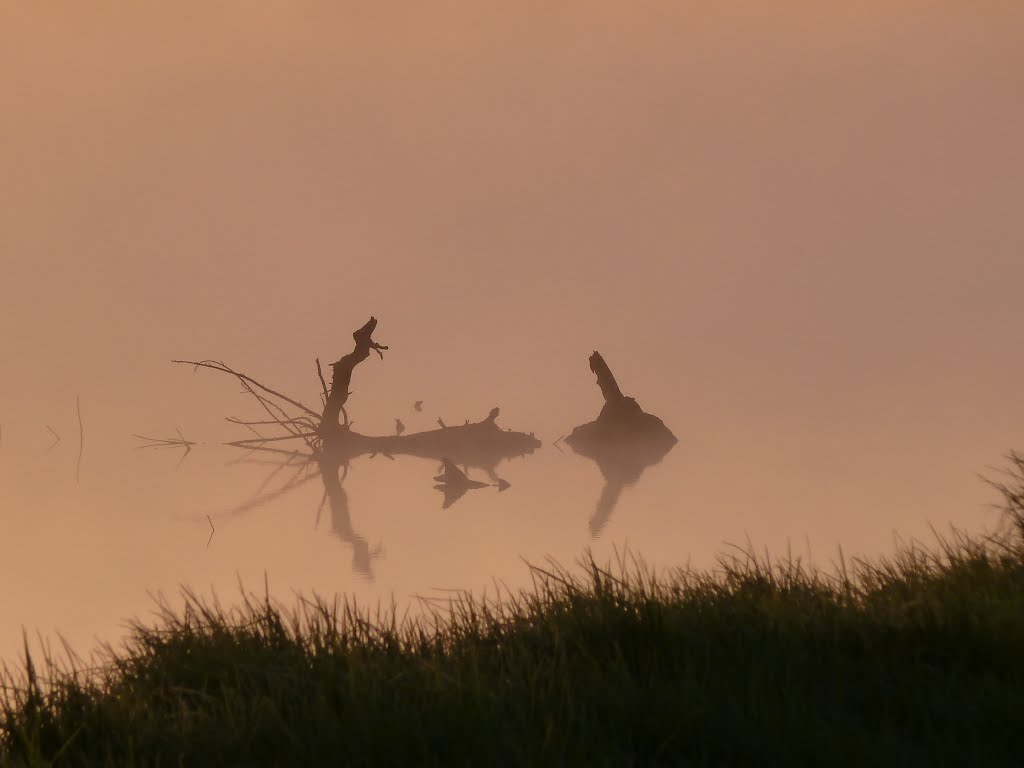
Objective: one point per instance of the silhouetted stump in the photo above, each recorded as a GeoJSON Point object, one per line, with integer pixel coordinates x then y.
{"type": "Point", "coordinates": [341, 378]}
{"type": "Point", "coordinates": [622, 429]}
{"type": "Point", "coordinates": [624, 440]}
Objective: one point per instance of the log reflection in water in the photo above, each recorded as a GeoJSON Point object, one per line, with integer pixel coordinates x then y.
{"type": "Point", "coordinates": [341, 520]}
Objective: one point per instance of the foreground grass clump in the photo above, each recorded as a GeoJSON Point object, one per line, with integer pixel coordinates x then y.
{"type": "Point", "coordinates": [916, 660]}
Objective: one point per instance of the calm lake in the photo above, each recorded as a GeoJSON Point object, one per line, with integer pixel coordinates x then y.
{"type": "Point", "coordinates": [794, 233]}
{"type": "Point", "coordinates": [82, 557]}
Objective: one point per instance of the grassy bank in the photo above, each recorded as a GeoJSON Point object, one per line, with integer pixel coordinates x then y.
{"type": "Point", "coordinates": [915, 660]}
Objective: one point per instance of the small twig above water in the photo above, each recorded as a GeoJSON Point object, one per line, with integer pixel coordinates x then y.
{"type": "Point", "coordinates": [168, 442]}
{"type": "Point", "coordinates": [164, 442]}
{"type": "Point", "coordinates": [56, 439]}
{"type": "Point", "coordinates": [212, 531]}
{"type": "Point", "coordinates": [247, 424]}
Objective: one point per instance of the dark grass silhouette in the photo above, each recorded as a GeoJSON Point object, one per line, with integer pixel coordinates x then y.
{"type": "Point", "coordinates": [912, 660]}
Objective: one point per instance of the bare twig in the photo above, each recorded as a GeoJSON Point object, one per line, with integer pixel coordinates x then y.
{"type": "Point", "coordinates": [247, 424]}
{"type": "Point", "coordinates": [282, 451]}
{"type": "Point", "coordinates": [217, 365]}
{"type": "Point", "coordinates": [251, 441]}
{"type": "Point", "coordinates": [302, 420]}
{"type": "Point", "coordinates": [212, 531]}
{"type": "Point", "coordinates": [164, 442]}
{"type": "Point", "coordinates": [265, 404]}
{"type": "Point", "coordinates": [168, 442]}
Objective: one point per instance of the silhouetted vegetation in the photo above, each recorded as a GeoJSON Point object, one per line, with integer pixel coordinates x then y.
{"type": "Point", "coordinates": [913, 660]}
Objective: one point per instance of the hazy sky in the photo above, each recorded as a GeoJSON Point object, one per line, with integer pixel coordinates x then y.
{"type": "Point", "coordinates": [795, 229]}
{"type": "Point", "coordinates": [824, 195]}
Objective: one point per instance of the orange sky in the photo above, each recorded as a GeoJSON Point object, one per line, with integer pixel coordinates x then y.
{"type": "Point", "coordinates": [782, 183]}
{"type": "Point", "coordinates": [794, 229]}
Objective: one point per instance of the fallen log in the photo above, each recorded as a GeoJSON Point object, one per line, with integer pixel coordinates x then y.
{"type": "Point", "coordinates": [482, 444]}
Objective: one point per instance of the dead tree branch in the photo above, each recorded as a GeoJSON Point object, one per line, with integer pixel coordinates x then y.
{"type": "Point", "coordinates": [342, 376]}
{"type": "Point", "coordinates": [304, 426]}
{"type": "Point", "coordinates": [217, 365]}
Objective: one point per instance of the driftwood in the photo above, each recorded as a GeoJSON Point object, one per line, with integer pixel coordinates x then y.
{"type": "Point", "coordinates": [482, 444]}
{"type": "Point", "coordinates": [330, 442]}
{"type": "Point", "coordinates": [623, 440]}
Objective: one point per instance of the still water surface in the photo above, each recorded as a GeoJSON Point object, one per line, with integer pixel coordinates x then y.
{"type": "Point", "coordinates": [82, 557]}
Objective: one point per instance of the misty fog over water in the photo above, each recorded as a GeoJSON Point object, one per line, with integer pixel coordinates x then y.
{"type": "Point", "coordinates": [794, 233]}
